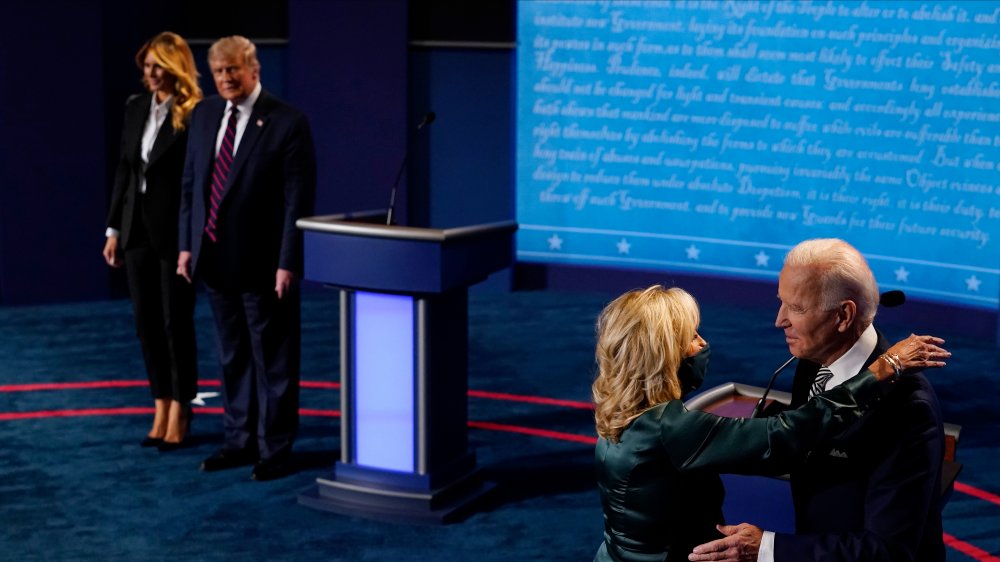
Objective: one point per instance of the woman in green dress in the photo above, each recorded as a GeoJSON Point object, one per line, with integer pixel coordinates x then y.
{"type": "Point", "coordinates": [658, 463]}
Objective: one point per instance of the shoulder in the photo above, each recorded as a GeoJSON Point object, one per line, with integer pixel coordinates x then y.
{"type": "Point", "coordinates": [911, 407]}
{"type": "Point", "coordinates": [673, 420]}
{"type": "Point", "coordinates": [137, 98]}
{"type": "Point", "coordinates": [138, 102]}
{"type": "Point", "coordinates": [275, 107]}
{"type": "Point", "coordinates": [914, 389]}
{"type": "Point", "coordinates": [644, 429]}
{"type": "Point", "coordinates": [208, 105]}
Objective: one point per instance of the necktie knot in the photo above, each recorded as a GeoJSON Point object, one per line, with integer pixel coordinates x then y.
{"type": "Point", "coordinates": [823, 376]}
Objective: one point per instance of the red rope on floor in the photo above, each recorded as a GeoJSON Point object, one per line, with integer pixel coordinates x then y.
{"type": "Point", "coordinates": [31, 387]}
{"type": "Point", "coordinates": [976, 492]}
{"type": "Point", "coordinates": [532, 431]}
{"type": "Point", "coordinates": [531, 399]}
{"type": "Point", "coordinates": [968, 549]}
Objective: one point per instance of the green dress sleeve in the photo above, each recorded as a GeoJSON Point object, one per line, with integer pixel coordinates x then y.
{"type": "Point", "coordinates": [696, 440]}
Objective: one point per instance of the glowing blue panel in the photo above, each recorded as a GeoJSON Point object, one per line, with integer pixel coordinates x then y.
{"type": "Point", "coordinates": [383, 381]}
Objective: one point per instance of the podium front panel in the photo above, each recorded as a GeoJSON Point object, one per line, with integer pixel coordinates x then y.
{"type": "Point", "coordinates": [383, 381]}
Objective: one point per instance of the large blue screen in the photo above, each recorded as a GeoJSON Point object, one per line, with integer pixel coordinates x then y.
{"type": "Point", "coordinates": [710, 137]}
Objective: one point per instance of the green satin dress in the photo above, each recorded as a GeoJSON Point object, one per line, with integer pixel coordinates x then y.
{"type": "Point", "coordinates": [659, 485]}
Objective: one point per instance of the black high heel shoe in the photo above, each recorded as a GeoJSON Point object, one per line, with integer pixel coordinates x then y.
{"type": "Point", "coordinates": [151, 442]}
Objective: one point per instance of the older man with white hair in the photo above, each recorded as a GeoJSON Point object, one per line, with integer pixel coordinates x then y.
{"type": "Point", "coordinates": [872, 493]}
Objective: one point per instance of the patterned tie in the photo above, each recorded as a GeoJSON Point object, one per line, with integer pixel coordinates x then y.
{"type": "Point", "coordinates": [220, 172]}
{"type": "Point", "coordinates": [823, 376]}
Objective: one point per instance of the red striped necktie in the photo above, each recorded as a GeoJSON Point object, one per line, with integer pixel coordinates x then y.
{"type": "Point", "coordinates": [223, 162]}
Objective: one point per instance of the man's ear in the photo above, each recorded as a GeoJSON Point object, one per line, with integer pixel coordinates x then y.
{"type": "Point", "coordinates": [847, 314]}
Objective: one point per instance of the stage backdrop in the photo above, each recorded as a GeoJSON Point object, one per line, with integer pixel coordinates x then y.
{"type": "Point", "coordinates": [710, 137]}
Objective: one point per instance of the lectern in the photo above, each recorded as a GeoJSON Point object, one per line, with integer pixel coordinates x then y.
{"type": "Point", "coordinates": [404, 356]}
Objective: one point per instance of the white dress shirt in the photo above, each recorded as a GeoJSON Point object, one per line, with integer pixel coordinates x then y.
{"type": "Point", "coordinates": [245, 107]}
{"type": "Point", "coordinates": [157, 115]}
{"type": "Point", "coordinates": [845, 367]}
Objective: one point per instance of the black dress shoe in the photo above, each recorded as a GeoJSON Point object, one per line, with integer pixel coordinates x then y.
{"type": "Point", "coordinates": [151, 442]}
{"type": "Point", "coordinates": [271, 469]}
{"type": "Point", "coordinates": [227, 458]}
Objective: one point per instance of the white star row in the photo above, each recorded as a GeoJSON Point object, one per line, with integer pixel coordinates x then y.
{"type": "Point", "coordinates": [972, 282]}
{"type": "Point", "coordinates": [624, 247]}
{"type": "Point", "coordinates": [762, 260]}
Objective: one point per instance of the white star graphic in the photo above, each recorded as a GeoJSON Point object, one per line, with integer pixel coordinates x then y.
{"type": "Point", "coordinates": [972, 283]}
{"type": "Point", "coordinates": [692, 252]}
{"type": "Point", "coordinates": [199, 400]}
{"type": "Point", "coordinates": [762, 258]}
{"type": "Point", "coordinates": [623, 246]}
{"type": "Point", "coordinates": [555, 243]}
{"type": "Point", "coordinates": [902, 275]}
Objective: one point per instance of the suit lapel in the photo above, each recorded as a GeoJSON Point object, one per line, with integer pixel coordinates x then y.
{"type": "Point", "coordinates": [255, 127]}
{"type": "Point", "coordinates": [136, 128]}
{"type": "Point", "coordinates": [164, 138]}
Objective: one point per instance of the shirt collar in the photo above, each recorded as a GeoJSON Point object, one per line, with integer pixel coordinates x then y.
{"type": "Point", "coordinates": [852, 362]}
{"type": "Point", "coordinates": [155, 107]}
{"type": "Point", "coordinates": [246, 106]}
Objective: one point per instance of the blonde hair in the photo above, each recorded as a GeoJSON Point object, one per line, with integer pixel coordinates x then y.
{"type": "Point", "coordinates": [173, 54]}
{"type": "Point", "coordinates": [235, 47]}
{"type": "Point", "coordinates": [642, 337]}
{"type": "Point", "coordinates": [842, 273]}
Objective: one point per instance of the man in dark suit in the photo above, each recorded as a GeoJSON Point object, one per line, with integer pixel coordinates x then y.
{"type": "Point", "coordinates": [872, 493]}
{"type": "Point", "coordinates": [250, 172]}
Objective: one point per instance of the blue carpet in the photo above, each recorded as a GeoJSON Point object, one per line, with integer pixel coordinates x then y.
{"type": "Point", "coordinates": [80, 488]}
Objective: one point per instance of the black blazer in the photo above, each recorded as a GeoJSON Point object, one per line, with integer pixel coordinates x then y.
{"type": "Point", "coordinates": [873, 492]}
{"type": "Point", "coordinates": [161, 202]}
{"type": "Point", "coordinates": [271, 184]}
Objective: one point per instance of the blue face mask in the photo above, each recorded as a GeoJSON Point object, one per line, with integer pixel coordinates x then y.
{"type": "Point", "coordinates": [691, 373]}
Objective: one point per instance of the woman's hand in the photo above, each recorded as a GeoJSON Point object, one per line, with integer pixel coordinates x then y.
{"type": "Point", "coordinates": [184, 265]}
{"type": "Point", "coordinates": [914, 353]}
{"type": "Point", "coordinates": [111, 252]}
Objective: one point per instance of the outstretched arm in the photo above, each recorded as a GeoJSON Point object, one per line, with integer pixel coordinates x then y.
{"type": "Point", "coordinates": [903, 484]}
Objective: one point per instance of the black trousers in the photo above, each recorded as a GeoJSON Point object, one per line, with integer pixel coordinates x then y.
{"type": "Point", "coordinates": [259, 346]}
{"type": "Point", "coordinates": [163, 303]}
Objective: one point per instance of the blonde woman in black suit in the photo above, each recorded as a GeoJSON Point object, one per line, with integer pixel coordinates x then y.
{"type": "Point", "coordinates": [142, 230]}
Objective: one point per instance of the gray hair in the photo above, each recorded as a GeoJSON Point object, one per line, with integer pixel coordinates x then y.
{"type": "Point", "coordinates": [843, 275]}
{"type": "Point", "coordinates": [235, 47]}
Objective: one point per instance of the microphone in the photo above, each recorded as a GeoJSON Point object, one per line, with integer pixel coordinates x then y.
{"type": "Point", "coordinates": [760, 403]}
{"type": "Point", "coordinates": [890, 299]}
{"type": "Point", "coordinates": [429, 118]}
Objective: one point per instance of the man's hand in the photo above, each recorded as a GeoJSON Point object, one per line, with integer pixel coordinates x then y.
{"type": "Point", "coordinates": [111, 252]}
{"type": "Point", "coordinates": [184, 265]}
{"type": "Point", "coordinates": [283, 282]}
{"type": "Point", "coordinates": [740, 545]}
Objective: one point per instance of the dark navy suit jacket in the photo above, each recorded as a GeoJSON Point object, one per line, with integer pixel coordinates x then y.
{"type": "Point", "coordinates": [271, 184]}
{"type": "Point", "coordinates": [873, 492]}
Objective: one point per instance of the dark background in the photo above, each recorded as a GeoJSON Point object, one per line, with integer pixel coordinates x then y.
{"type": "Point", "coordinates": [364, 71]}
{"type": "Point", "coordinates": [67, 67]}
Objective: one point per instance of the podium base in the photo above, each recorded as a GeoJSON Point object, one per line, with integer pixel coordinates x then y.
{"type": "Point", "coordinates": [443, 505]}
